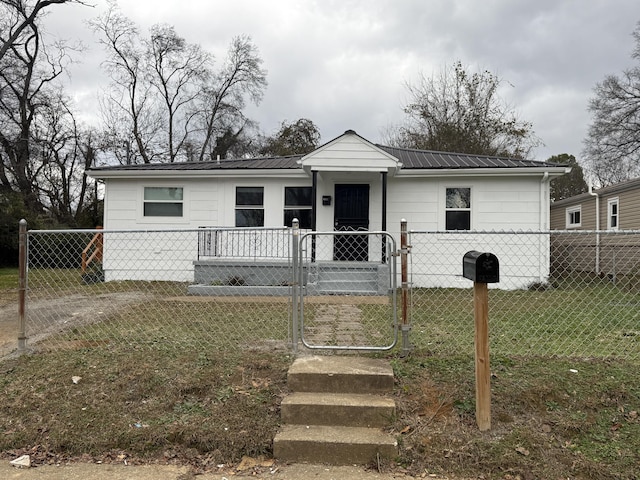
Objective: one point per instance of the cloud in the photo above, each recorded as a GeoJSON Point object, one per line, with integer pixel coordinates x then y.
{"type": "Point", "coordinates": [343, 63]}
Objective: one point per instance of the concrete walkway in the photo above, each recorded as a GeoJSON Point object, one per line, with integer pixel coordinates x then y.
{"type": "Point", "coordinates": [82, 471]}
{"type": "Point", "coordinates": [337, 321]}
{"type": "Point", "coordinates": [336, 325]}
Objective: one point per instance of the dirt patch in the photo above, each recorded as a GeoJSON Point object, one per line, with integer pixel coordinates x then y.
{"type": "Point", "coordinates": [9, 322]}
{"type": "Point", "coordinates": [316, 300]}
{"type": "Point", "coordinates": [46, 317]}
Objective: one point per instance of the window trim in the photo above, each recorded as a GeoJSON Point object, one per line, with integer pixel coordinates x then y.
{"type": "Point", "coordinates": [610, 203]}
{"type": "Point", "coordinates": [164, 218]}
{"type": "Point", "coordinates": [468, 209]}
{"type": "Point", "coordinates": [238, 207]}
{"type": "Point", "coordinates": [571, 210]}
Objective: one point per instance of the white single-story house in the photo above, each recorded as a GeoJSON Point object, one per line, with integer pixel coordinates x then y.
{"type": "Point", "coordinates": [346, 184]}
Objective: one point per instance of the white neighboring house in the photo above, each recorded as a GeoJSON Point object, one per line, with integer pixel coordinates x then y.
{"type": "Point", "coordinates": [348, 183]}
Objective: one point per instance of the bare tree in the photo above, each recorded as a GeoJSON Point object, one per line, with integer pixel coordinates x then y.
{"type": "Point", "coordinates": [241, 76]}
{"type": "Point", "coordinates": [19, 16]}
{"type": "Point", "coordinates": [128, 109]}
{"type": "Point", "coordinates": [166, 101]}
{"type": "Point", "coordinates": [63, 152]}
{"type": "Point", "coordinates": [26, 72]}
{"type": "Point", "coordinates": [37, 131]}
{"type": "Point", "coordinates": [612, 146]}
{"type": "Point", "coordinates": [462, 112]}
{"type": "Point", "coordinates": [179, 70]}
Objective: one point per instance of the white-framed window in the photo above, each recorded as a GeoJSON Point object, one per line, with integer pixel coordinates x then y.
{"type": "Point", "coordinates": [574, 216]}
{"type": "Point", "coordinates": [457, 208]}
{"type": "Point", "coordinates": [249, 206]}
{"type": "Point", "coordinates": [163, 202]}
{"type": "Point", "coordinates": [613, 213]}
{"type": "Point", "coordinates": [297, 204]}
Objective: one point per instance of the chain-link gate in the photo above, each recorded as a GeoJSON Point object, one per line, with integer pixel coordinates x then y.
{"type": "Point", "coordinates": [347, 304]}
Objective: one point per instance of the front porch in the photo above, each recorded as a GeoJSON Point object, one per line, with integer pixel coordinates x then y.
{"type": "Point", "coordinates": [225, 276]}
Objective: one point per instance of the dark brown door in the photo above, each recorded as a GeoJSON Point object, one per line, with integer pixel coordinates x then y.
{"type": "Point", "coordinates": [351, 214]}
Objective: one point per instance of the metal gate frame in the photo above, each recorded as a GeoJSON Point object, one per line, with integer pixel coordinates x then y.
{"type": "Point", "coordinates": [299, 288]}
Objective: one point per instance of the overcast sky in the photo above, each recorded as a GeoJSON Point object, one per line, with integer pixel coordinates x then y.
{"type": "Point", "coordinates": [344, 63]}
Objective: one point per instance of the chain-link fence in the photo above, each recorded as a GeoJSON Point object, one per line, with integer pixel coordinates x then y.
{"type": "Point", "coordinates": [141, 289]}
{"type": "Point", "coordinates": [565, 293]}
{"type": "Point", "coordinates": [560, 293]}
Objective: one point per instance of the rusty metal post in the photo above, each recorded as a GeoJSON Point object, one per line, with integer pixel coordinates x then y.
{"type": "Point", "coordinates": [405, 325]}
{"type": "Point", "coordinates": [22, 285]}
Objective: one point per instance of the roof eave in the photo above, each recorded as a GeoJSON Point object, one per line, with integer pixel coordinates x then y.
{"type": "Point", "coordinates": [140, 174]}
{"type": "Point", "coordinates": [552, 172]}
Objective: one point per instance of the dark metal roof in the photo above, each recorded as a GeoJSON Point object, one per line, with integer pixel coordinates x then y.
{"type": "Point", "coordinates": [427, 159]}
{"type": "Point", "coordinates": [410, 159]}
{"type": "Point", "coordinates": [265, 163]}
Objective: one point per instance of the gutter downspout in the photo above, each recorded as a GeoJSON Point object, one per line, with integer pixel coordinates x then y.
{"type": "Point", "coordinates": [544, 226]}
{"type": "Point", "coordinates": [593, 194]}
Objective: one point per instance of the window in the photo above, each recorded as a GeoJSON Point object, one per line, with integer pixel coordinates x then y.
{"type": "Point", "coordinates": [297, 204]}
{"type": "Point", "coordinates": [458, 209]}
{"type": "Point", "coordinates": [574, 216]}
{"type": "Point", "coordinates": [613, 214]}
{"type": "Point", "coordinates": [163, 201]}
{"type": "Point", "coordinates": [249, 206]}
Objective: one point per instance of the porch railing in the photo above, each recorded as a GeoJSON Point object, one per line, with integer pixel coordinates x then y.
{"type": "Point", "coordinates": [93, 252]}
{"type": "Point", "coordinates": [255, 243]}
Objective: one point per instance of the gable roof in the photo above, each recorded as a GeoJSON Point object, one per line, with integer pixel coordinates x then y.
{"type": "Point", "coordinates": [386, 157]}
{"type": "Point", "coordinates": [350, 153]}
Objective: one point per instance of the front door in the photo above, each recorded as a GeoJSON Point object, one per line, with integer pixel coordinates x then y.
{"type": "Point", "coordinates": [351, 214]}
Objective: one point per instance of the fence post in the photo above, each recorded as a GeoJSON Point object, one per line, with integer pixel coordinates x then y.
{"type": "Point", "coordinates": [483, 369]}
{"type": "Point", "coordinates": [22, 284]}
{"type": "Point", "coordinates": [405, 326]}
{"type": "Point", "coordinates": [295, 282]}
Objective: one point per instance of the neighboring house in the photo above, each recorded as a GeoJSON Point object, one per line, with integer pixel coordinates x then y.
{"type": "Point", "coordinates": [613, 208]}
{"type": "Point", "coordinates": [348, 183]}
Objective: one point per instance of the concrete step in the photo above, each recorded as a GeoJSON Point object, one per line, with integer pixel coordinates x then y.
{"type": "Point", "coordinates": [333, 445]}
{"type": "Point", "coordinates": [338, 409]}
{"type": "Point", "coordinates": [348, 275]}
{"type": "Point", "coordinates": [340, 374]}
{"type": "Point", "coordinates": [328, 286]}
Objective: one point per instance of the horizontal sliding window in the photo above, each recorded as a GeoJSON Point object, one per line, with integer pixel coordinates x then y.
{"type": "Point", "coordinates": [163, 201]}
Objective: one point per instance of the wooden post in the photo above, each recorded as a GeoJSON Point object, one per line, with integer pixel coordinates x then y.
{"type": "Point", "coordinates": [483, 370]}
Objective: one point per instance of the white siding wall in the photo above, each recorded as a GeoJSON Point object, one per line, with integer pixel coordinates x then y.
{"type": "Point", "coordinates": [163, 255]}
{"type": "Point", "coordinates": [497, 204]}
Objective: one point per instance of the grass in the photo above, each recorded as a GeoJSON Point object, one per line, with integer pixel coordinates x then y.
{"type": "Point", "coordinates": [588, 319]}
{"type": "Point", "coordinates": [142, 398]}
{"type": "Point", "coordinates": [8, 285]}
{"type": "Point", "coordinates": [203, 408]}
{"type": "Point", "coordinates": [551, 418]}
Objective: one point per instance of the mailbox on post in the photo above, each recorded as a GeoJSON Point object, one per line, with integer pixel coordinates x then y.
{"type": "Point", "coordinates": [481, 267]}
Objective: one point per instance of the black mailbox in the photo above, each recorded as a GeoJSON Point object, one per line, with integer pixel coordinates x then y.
{"type": "Point", "coordinates": [481, 267]}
